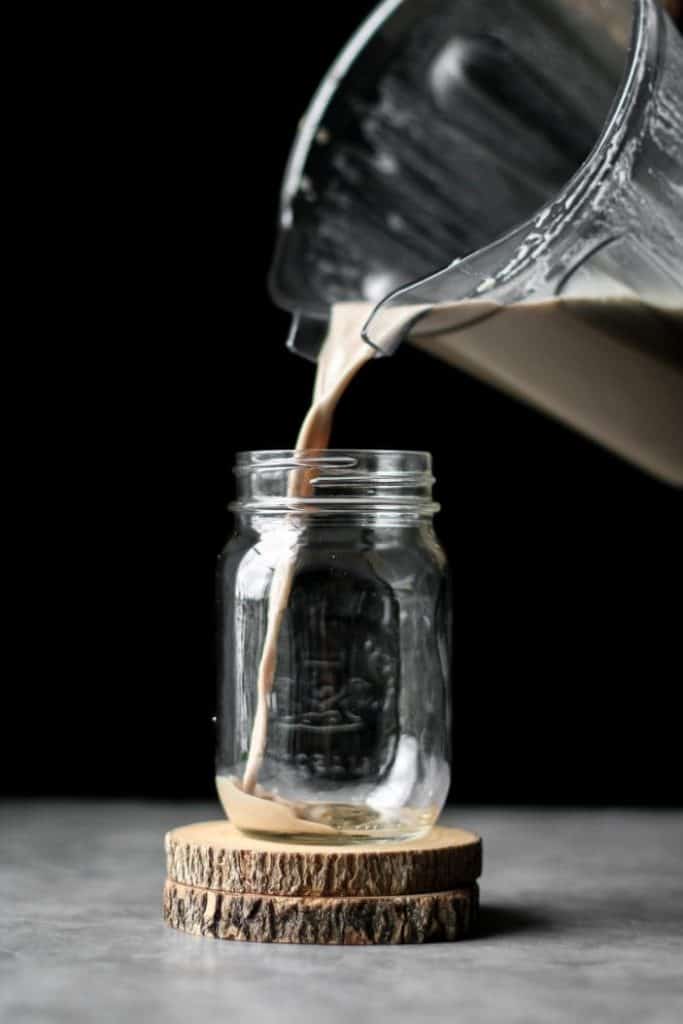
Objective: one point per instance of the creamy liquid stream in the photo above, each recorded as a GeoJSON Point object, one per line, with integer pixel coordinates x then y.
{"type": "Point", "coordinates": [247, 805]}
{"type": "Point", "coordinates": [613, 368]}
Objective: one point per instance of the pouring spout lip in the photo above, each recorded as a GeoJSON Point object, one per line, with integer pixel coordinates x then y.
{"type": "Point", "coordinates": [385, 340]}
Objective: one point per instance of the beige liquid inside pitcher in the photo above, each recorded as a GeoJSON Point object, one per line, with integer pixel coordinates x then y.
{"type": "Point", "coordinates": [612, 368]}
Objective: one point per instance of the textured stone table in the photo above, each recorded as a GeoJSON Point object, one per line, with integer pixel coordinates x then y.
{"type": "Point", "coordinates": [582, 920]}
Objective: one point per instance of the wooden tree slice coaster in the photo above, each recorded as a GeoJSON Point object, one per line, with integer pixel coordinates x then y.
{"type": "Point", "coordinates": [215, 855]}
{"type": "Point", "coordinates": [224, 884]}
{"type": "Point", "coordinates": [327, 920]}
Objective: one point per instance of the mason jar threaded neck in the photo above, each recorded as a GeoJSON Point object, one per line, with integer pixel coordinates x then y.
{"type": "Point", "coordinates": [320, 482]}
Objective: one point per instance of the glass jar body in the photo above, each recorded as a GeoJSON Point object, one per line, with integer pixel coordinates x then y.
{"type": "Point", "coordinates": [357, 721]}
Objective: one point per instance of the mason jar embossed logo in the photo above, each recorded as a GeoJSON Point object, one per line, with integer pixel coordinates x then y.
{"type": "Point", "coordinates": [334, 708]}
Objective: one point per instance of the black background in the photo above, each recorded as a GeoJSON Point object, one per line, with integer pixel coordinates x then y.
{"type": "Point", "coordinates": [167, 356]}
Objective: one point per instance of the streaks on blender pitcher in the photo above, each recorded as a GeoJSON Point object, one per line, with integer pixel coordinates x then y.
{"type": "Point", "coordinates": [472, 121]}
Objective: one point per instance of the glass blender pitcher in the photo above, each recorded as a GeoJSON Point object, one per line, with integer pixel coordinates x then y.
{"type": "Point", "coordinates": [503, 183]}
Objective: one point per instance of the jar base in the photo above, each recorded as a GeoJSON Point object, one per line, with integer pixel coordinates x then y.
{"type": "Point", "coordinates": [340, 839]}
{"type": "Point", "coordinates": [349, 824]}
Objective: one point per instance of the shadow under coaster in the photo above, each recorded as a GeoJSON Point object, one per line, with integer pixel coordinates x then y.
{"type": "Point", "coordinates": [226, 885]}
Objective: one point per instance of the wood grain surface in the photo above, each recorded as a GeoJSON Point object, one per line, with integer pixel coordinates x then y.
{"type": "Point", "coordinates": [356, 921]}
{"type": "Point", "coordinates": [215, 855]}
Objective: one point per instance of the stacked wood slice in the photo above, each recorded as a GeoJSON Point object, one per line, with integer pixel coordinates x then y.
{"type": "Point", "coordinates": [225, 885]}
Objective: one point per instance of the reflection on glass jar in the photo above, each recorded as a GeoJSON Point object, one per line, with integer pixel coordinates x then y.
{"type": "Point", "coordinates": [351, 741]}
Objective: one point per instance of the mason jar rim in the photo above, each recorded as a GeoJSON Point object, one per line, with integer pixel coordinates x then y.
{"type": "Point", "coordinates": [249, 455]}
{"type": "Point", "coordinates": [339, 479]}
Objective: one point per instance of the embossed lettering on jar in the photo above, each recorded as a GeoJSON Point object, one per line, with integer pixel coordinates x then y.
{"type": "Point", "coordinates": [351, 741]}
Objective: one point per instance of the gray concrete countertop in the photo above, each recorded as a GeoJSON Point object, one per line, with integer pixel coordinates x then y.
{"type": "Point", "coordinates": [582, 920]}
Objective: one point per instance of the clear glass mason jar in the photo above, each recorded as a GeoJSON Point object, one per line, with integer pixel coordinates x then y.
{"type": "Point", "coordinates": [349, 585]}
